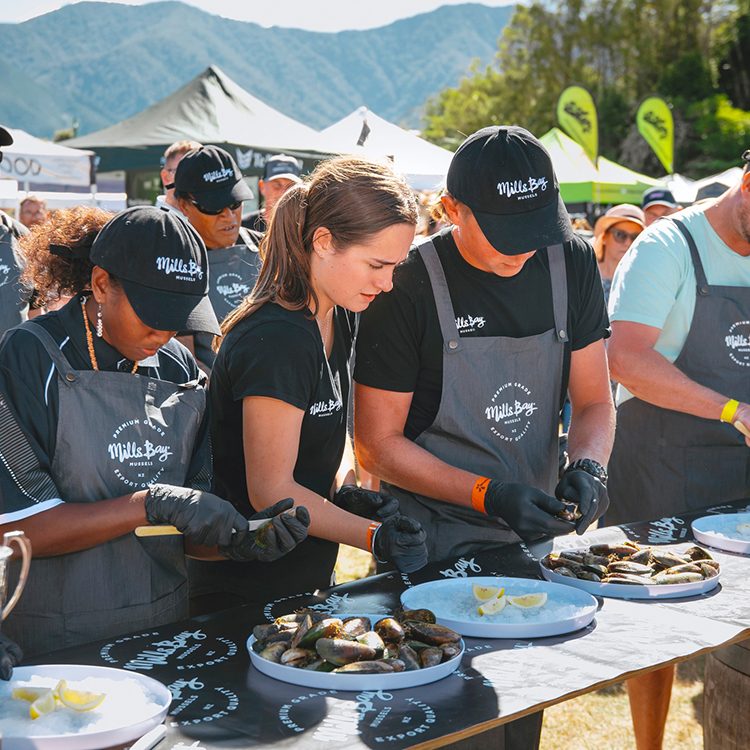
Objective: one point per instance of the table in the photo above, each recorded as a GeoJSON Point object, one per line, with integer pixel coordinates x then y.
{"type": "Point", "coordinates": [221, 701]}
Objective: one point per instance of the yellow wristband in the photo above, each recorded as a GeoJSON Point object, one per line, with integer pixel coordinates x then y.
{"type": "Point", "coordinates": [478, 493]}
{"type": "Point", "coordinates": [729, 410]}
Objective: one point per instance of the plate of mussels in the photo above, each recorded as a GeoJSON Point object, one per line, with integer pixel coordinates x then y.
{"type": "Point", "coordinates": [727, 531]}
{"type": "Point", "coordinates": [626, 570]}
{"type": "Point", "coordinates": [355, 652]}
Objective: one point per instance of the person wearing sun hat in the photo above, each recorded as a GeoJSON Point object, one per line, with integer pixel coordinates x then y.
{"type": "Point", "coordinates": [103, 428]}
{"type": "Point", "coordinates": [462, 369]}
{"type": "Point", "coordinates": [209, 190]}
{"type": "Point", "coordinates": [614, 233]}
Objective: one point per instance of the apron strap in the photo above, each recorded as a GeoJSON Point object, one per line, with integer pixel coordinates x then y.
{"type": "Point", "coordinates": [559, 279]}
{"type": "Point", "coordinates": [446, 314]}
{"type": "Point", "coordinates": [700, 274]}
{"type": "Point", "coordinates": [67, 373]}
{"type": "Point", "coordinates": [247, 238]}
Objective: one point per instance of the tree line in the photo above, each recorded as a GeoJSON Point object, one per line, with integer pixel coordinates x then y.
{"type": "Point", "coordinates": [694, 53]}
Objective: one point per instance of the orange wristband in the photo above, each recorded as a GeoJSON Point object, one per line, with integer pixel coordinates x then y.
{"type": "Point", "coordinates": [478, 493]}
{"type": "Point", "coordinates": [371, 529]}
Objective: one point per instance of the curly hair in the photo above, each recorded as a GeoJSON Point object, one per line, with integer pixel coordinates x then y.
{"type": "Point", "coordinates": [51, 275]}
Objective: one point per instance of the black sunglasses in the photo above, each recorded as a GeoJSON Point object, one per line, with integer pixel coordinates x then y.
{"type": "Point", "coordinates": [231, 207]}
{"type": "Point", "coordinates": [620, 235]}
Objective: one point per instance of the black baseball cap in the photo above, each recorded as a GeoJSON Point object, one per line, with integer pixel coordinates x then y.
{"type": "Point", "coordinates": [6, 139]}
{"type": "Point", "coordinates": [212, 177]}
{"type": "Point", "coordinates": [658, 196]}
{"type": "Point", "coordinates": [162, 264]}
{"type": "Point", "coordinates": [282, 166]}
{"type": "Point", "coordinates": [505, 176]}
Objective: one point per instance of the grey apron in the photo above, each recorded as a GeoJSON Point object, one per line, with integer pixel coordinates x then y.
{"type": "Point", "coordinates": [666, 462]}
{"type": "Point", "coordinates": [14, 299]}
{"type": "Point", "coordinates": [498, 417]}
{"type": "Point", "coordinates": [117, 433]}
{"type": "Point", "coordinates": [232, 274]}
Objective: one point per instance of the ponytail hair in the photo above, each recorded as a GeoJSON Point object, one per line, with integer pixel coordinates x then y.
{"type": "Point", "coordinates": [353, 198]}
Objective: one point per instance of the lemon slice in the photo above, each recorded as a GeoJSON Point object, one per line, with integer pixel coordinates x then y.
{"type": "Point", "coordinates": [485, 593]}
{"type": "Point", "coordinates": [78, 700]}
{"type": "Point", "coordinates": [493, 606]}
{"type": "Point", "coordinates": [529, 601]}
{"type": "Point", "coordinates": [44, 704]}
{"type": "Point", "coordinates": [29, 693]}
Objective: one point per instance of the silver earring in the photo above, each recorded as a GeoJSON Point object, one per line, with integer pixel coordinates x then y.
{"type": "Point", "coordinates": [99, 326]}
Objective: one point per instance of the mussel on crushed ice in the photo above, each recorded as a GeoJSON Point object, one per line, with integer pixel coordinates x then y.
{"type": "Point", "coordinates": [629, 564]}
{"type": "Point", "coordinates": [409, 640]}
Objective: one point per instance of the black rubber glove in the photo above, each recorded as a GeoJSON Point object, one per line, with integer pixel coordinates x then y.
{"type": "Point", "coordinates": [365, 503]}
{"type": "Point", "coordinates": [10, 656]}
{"type": "Point", "coordinates": [274, 539]}
{"type": "Point", "coordinates": [400, 540]}
{"type": "Point", "coordinates": [587, 492]}
{"type": "Point", "coordinates": [202, 517]}
{"type": "Point", "coordinates": [526, 509]}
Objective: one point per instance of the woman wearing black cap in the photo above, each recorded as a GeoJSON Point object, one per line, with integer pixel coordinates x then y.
{"type": "Point", "coordinates": [280, 384]}
{"type": "Point", "coordinates": [103, 430]}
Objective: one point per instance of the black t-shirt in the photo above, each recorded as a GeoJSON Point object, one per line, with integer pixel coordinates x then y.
{"type": "Point", "coordinates": [400, 346]}
{"type": "Point", "coordinates": [29, 382]}
{"type": "Point", "coordinates": [278, 353]}
{"type": "Point", "coordinates": [255, 222]}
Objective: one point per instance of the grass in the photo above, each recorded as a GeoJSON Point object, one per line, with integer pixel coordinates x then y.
{"type": "Point", "coordinates": [598, 720]}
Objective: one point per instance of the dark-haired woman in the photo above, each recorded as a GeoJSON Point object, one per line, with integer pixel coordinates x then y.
{"type": "Point", "coordinates": [103, 429]}
{"type": "Point", "coordinates": [280, 383]}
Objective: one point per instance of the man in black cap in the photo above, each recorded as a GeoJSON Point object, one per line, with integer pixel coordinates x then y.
{"type": "Point", "coordinates": [463, 368]}
{"type": "Point", "coordinates": [210, 189]}
{"type": "Point", "coordinates": [657, 202]}
{"type": "Point", "coordinates": [14, 298]}
{"type": "Point", "coordinates": [281, 173]}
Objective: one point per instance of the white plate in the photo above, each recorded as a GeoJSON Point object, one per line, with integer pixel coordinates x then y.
{"type": "Point", "coordinates": [566, 609]}
{"type": "Point", "coordinates": [720, 531]}
{"type": "Point", "coordinates": [331, 681]}
{"type": "Point", "coordinates": [133, 720]}
{"type": "Point", "coordinates": [633, 591]}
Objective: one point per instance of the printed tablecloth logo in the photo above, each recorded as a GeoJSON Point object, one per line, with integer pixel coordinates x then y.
{"type": "Point", "coordinates": [194, 702]}
{"type": "Point", "coordinates": [4, 274]}
{"type": "Point", "coordinates": [510, 412]}
{"type": "Point", "coordinates": [738, 343]}
{"type": "Point", "coordinates": [140, 451]}
{"type": "Point", "coordinates": [232, 288]}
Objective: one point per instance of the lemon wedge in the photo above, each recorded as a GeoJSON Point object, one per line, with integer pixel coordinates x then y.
{"type": "Point", "coordinates": [78, 700]}
{"type": "Point", "coordinates": [529, 601]}
{"type": "Point", "coordinates": [29, 693]}
{"type": "Point", "coordinates": [493, 606]}
{"type": "Point", "coordinates": [44, 704]}
{"type": "Point", "coordinates": [485, 593]}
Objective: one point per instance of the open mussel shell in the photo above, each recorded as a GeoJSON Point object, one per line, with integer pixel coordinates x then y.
{"type": "Point", "coordinates": [390, 630]}
{"type": "Point", "coordinates": [356, 626]}
{"type": "Point", "coordinates": [327, 628]}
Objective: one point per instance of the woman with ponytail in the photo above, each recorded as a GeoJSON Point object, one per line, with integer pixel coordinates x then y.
{"type": "Point", "coordinates": [280, 385]}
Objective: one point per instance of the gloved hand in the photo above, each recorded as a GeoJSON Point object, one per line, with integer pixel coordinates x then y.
{"type": "Point", "coordinates": [526, 509]}
{"type": "Point", "coordinates": [202, 517]}
{"type": "Point", "coordinates": [365, 503]}
{"type": "Point", "coordinates": [274, 539]}
{"type": "Point", "coordinates": [401, 540]}
{"type": "Point", "coordinates": [10, 656]}
{"type": "Point", "coordinates": [587, 492]}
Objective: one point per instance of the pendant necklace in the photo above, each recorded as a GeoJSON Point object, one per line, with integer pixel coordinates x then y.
{"type": "Point", "coordinates": [90, 339]}
{"type": "Point", "coordinates": [335, 385]}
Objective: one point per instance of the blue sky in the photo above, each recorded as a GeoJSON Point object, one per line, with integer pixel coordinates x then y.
{"type": "Point", "coordinates": [314, 15]}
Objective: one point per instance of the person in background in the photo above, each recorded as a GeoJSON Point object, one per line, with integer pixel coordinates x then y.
{"type": "Point", "coordinates": [680, 307]}
{"type": "Point", "coordinates": [280, 384]}
{"type": "Point", "coordinates": [10, 656]}
{"type": "Point", "coordinates": [172, 157]}
{"type": "Point", "coordinates": [14, 298]}
{"type": "Point", "coordinates": [614, 233]}
{"type": "Point", "coordinates": [32, 210]}
{"type": "Point", "coordinates": [657, 202]}
{"type": "Point", "coordinates": [209, 189]}
{"type": "Point", "coordinates": [103, 429]}
{"type": "Point", "coordinates": [281, 173]}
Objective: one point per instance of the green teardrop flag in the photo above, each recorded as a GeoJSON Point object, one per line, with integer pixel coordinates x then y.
{"type": "Point", "coordinates": [656, 125]}
{"type": "Point", "coordinates": [576, 113]}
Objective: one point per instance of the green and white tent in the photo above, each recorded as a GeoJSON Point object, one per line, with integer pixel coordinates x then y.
{"type": "Point", "coordinates": [581, 182]}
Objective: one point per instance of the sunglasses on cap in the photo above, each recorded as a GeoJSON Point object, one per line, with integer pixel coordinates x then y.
{"type": "Point", "coordinates": [231, 207]}
{"type": "Point", "coordinates": [621, 236]}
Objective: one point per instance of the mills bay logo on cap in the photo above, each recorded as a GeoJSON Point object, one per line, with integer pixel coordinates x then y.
{"type": "Point", "coordinates": [218, 175]}
{"type": "Point", "coordinates": [505, 176]}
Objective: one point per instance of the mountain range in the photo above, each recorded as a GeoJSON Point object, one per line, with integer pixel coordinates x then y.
{"type": "Point", "coordinates": [99, 63]}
